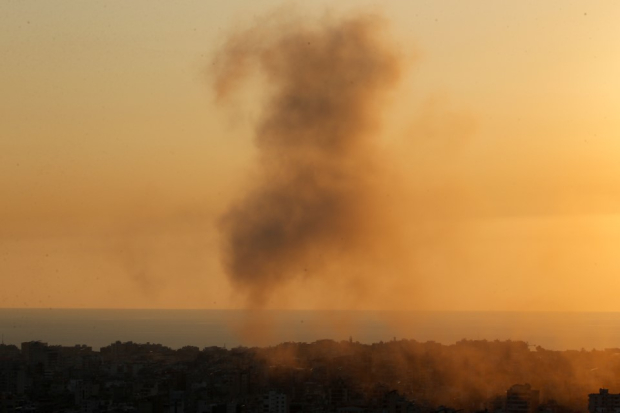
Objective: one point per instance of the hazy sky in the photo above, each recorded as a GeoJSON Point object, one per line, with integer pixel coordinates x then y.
{"type": "Point", "coordinates": [116, 163]}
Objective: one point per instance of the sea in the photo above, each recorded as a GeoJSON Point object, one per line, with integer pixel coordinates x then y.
{"type": "Point", "coordinates": [233, 328]}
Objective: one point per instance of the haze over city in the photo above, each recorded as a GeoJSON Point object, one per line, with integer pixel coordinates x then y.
{"type": "Point", "coordinates": [358, 155]}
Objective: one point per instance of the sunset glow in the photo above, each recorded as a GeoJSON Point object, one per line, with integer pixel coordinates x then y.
{"type": "Point", "coordinates": [488, 177]}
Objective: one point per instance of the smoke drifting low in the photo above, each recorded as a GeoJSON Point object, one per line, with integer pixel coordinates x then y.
{"type": "Point", "coordinates": [313, 208]}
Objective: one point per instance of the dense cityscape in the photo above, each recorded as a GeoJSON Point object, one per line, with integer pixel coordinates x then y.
{"type": "Point", "coordinates": [257, 192]}
{"type": "Point", "coordinates": [401, 376]}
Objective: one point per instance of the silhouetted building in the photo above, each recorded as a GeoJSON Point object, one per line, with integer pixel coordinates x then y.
{"type": "Point", "coordinates": [521, 398]}
{"type": "Point", "coordinates": [393, 402]}
{"type": "Point", "coordinates": [338, 393]}
{"type": "Point", "coordinates": [604, 402]}
{"type": "Point", "coordinates": [35, 353]}
{"type": "Point", "coordinates": [274, 402]}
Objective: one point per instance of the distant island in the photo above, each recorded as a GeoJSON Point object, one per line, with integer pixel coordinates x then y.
{"type": "Point", "coordinates": [403, 376]}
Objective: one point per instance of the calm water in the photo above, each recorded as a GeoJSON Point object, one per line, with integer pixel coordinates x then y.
{"type": "Point", "coordinates": [230, 328]}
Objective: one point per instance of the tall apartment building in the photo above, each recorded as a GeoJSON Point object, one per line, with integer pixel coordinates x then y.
{"type": "Point", "coordinates": [274, 402]}
{"type": "Point", "coordinates": [521, 398]}
{"type": "Point", "coordinates": [603, 402]}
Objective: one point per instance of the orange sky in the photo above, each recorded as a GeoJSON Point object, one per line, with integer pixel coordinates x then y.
{"type": "Point", "coordinates": [115, 162]}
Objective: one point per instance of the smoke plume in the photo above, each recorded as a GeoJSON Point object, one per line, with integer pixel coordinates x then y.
{"type": "Point", "coordinates": [313, 207]}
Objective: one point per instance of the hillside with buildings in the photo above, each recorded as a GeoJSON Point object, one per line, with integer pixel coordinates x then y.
{"type": "Point", "coordinates": [325, 376]}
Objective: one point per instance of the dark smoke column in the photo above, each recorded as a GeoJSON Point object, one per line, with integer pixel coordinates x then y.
{"type": "Point", "coordinates": [313, 203]}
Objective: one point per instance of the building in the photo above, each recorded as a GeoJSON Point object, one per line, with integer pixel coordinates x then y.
{"type": "Point", "coordinates": [604, 402]}
{"type": "Point", "coordinates": [338, 393]}
{"type": "Point", "coordinates": [274, 402]}
{"type": "Point", "coordinates": [521, 398]}
{"type": "Point", "coordinates": [35, 353]}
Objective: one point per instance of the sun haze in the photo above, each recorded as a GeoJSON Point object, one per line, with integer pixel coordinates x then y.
{"type": "Point", "coordinates": [409, 155]}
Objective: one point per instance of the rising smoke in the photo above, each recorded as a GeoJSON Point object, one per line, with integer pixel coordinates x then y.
{"type": "Point", "coordinates": [314, 206]}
